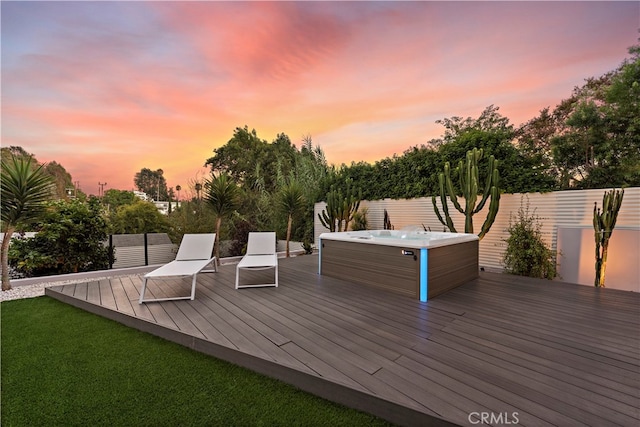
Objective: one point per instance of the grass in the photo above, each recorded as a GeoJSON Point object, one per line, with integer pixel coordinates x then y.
{"type": "Point", "coordinates": [64, 366]}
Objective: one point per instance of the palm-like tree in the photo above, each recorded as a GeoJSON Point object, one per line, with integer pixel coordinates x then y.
{"type": "Point", "coordinates": [24, 189]}
{"type": "Point", "coordinates": [222, 194]}
{"type": "Point", "coordinates": [291, 202]}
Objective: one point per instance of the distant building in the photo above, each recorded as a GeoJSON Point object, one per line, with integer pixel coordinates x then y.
{"type": "Point", "coordinates": [163, 207]}
{"type": "Point", "coordinates": [142, 195]}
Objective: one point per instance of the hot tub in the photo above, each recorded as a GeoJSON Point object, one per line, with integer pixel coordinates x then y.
{"type": "Point", "coordinates": [417, 263]}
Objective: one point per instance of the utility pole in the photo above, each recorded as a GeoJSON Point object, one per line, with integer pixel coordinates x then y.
{"type": "Point", "coordinates": [101, 189]}
{"type": "Point", "coordinates": [76, 186]}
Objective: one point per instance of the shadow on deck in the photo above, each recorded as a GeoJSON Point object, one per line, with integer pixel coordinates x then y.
{"type": "Point", "coordinates": [513, 350]}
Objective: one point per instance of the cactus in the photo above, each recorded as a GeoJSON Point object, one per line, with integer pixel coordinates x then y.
{"type": "Point", "coordinates": [340, 208]}
{"type": "Point", "coordinates": [387, 221]}
{"type": "Point", "coordinates": [329, 216]}
{"type": "Point", "coordinates": [603, 224]}
{"type": "Point", "coordinates": [468, 179]}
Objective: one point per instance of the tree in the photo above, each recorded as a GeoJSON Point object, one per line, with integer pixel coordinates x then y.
{"type": "Point", "coordinates": [490, 120]}
{"type": "Point", "coordinates": [113, 198]}
{"type": "Point", "coordinates": [493, 133]}
{"type": "Point", "coordinates": [622, 119]}
{"type": "Point", "coordinates": [518, 173]}
{"type": "Point", "coordinates": [24, 190]}
{"type": "Point", "coordinates": [585, 141]}
{"type": "Point", "coordinates": [222, 195]}
{"type": "Point", "coordinates": [310, 170]}
{"type": "Point", "coordinates": [139, 217]}
{"type": "Point", "coordinates": [152, 183]}
{"type": "Point", "coordinates": [597, 142]}
{"type": "Point", "coordinates": [240, 157]}
{"type": "Point", "coordinates": [70, 238]}
{"type": "Point", "coordinates": [252, 162]}
{"type": "Point", "coordinates": [291, 202]}
{"type": "Point", "coordinates": [198, 188]}
{"type": "Point", "coordinates": [535, 139]}
{"type": "Point", "coordinates": [189, 217]}
{"type": "Point", "coordinates": [61, 178]}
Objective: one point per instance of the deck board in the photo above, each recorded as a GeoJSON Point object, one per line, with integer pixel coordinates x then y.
{"type": "Point", "coordinates": [554, 353]}
{"type": "Point", "coordinates": [123, 303]}
{"type": "Point", "coordinates": [93, 292]}
{"type": "Point", "coordinates": [132, 289]}
{"type": "Point", "coordinates": [106, 294]}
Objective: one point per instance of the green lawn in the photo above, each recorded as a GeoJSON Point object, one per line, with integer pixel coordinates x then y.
{"type": "Point", "coordinates": [62, 366]}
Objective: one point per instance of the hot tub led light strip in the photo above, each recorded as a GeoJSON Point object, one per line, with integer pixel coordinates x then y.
{"type": "Point", "coordinates": [423, 274]}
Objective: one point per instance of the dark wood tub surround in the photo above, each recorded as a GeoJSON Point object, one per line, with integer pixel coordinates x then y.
{"type": "Point", "coordinates": [398, 268]}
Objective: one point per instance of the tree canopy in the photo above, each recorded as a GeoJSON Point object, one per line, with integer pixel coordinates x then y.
{"type": "Point", "coordinates": [61, 179]}
{"type": "Point", "coordinates": [113, 199]}
{"type": "Point", "coordinates": [139, 217]}
{"type": "Point", "coordinates": [252, 162]}
{"type": "Point", "coordinates": [592, 138]}
{"type": "Point", "coordinates": [153, 183]}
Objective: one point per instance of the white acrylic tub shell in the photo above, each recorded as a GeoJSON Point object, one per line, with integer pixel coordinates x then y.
{"type": "Point", "coordinates": [401, 238]}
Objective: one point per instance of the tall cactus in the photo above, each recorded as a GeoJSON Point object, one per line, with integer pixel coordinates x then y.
{"type": "Point", "coordinates": [340, 208]}
{"type": "Point", "coordinates": [329, 216]}
{"type": "Point", "coordinates": [468, 180]}
{"type": "Point", "coordinates": [603, 224]}
{"type": "Point", "coordinates": [387, 221]}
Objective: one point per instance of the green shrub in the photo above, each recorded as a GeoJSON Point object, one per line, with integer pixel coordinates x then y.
{"type": "Point", "coordinates": [359, 221]}
{"type": "Point", "coordinates": [527, 254]}
{"type": "Point", "coordinates": [70, 238]}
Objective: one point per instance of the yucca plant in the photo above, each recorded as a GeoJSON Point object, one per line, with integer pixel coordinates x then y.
{"type": "Point", "coordinates": [291, 202]}
{"type": "Point", "coordinates": [222, 194]}
{"type": "Point", "coordinates": [25, 188]}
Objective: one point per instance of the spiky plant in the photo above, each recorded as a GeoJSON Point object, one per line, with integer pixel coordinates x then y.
{"type": "Point", "coordinates": [25, 188]}
{"type": "Point", "coordinates": [603, 224]}
{"type": "Point", "coordinates": [469, 185]}
{"type": "Point", "coordinates": [222, 194]}
{"type": "Point", "coordinates": [291, 202]}
{"type": "Point", "coordinates": [341, 206]}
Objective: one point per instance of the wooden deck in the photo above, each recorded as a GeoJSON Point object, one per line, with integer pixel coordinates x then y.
{"type": "Point", "coordinates": [514, 350]}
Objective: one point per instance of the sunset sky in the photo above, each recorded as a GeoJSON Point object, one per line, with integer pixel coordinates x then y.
{"type": "Point", "coordinates": [108, 88]}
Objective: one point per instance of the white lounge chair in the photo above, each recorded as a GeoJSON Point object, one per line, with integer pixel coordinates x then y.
{"type": "Point", "coordinates": [194, 254]}
{"type": "Point", "coordinates": [261, 255]}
